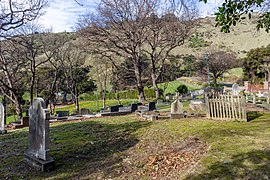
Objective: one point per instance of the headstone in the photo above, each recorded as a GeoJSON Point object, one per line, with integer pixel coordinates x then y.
{"type": "Point", "coordinates": [133, 107]}
{"type": "Point", "coordinates": [37, 154]}
{"type": "Point", "coordinates": [2, 119]}
{"type": "Point", "coordinates": [159, 102]}
{"type": "Point", "coordinates": [85, 111]}
{"type": "Point", "coordinates": [62, 113]}
{"type": "Point", "coordinates": [151, 106]}
{"type": "Point", "coordinates": [235, 89]}
{"type": "Point", "coordinates": [167, 98]}
{"type": "Point", "coordinates": [114, 108]}
{"type": "Point", "coordinates": [177, 106]}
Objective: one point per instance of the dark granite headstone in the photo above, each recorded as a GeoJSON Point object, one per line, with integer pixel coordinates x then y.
{"type": "Point", "coordinates": [139, 104]}
{"type": "Point", "coordinates": [114, 108]}
{"type": "Point", "coordinates": [84, 111]}
{"type": "Point", "coordinates": [62, 113]}
{"type": "Point", "coordinates": [37, 154]}
{"type": "Point", "coordinates": [133, 107]}
{"type": "Point", "coordinates": [2, 119]}
{"type": "Point", "coordinates": [151, 106]}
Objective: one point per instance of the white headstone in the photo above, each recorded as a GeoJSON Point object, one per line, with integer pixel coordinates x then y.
{"type": "Point", "coordinates": [177, 106]}
{"type": "Point", "coordinates": [38, 150]}
{"type": "Point", "coordinates": [235, 90]}
{"type": "Point", "coordinates": [2, 119]}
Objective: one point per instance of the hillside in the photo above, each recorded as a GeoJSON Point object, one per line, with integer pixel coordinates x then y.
{"type": "Point", "coordinates": [241, 39]}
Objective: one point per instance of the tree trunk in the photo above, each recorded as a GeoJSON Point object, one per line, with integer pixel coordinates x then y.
{"type": "Point", "coordinates": [154, 81]}
{"type": "Point", "coordinates": [19, 111]}
{"type": "Point", "coordinates": [77, 100]}
{"type": "Point", "coordinates": [139, 85]}
{"type": "Point", "coordinates": [32, 87]}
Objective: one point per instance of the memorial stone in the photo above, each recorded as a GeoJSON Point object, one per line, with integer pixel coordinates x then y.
{"type": "Point", "coordinates": [2, 119]}
{"type": "Point", "coordinates": [235, 89]}
{"type": "Point", "coordinates": [37, 154]}
{"type": "Point", "coordinates": [177, 106]}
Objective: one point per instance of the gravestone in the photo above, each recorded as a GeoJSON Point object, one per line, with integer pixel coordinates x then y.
{"type": "Point", "coordinates": [37, 154]}
{"type": "Point", "coordinates": [85, 111]}
{"type": "Point", "coordinates": [235, 89]}
{"type": "Point", "coordinates": [133, 107]}
{"type": "Point", "coordinates": [159, 102]}
{"type": "Point", "coordinates": [177, 108]}
{"type": "Point", "coordinates": [114, 108]}
{"type": "Point", "coordinates": [62, 113]}
{"type": "Point", "coordinates": [151, 106]}
{"type": "Point", "coordinates": [2, 119]}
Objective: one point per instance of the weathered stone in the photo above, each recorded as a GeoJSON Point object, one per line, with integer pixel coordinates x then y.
{"type": "Point", "coordinates": [133, 107]}
{"type": "Point", "coordinates": [37, 154]}
{"type": "Point", "coordinates": [2, 119]}
{"type": "Point", "coordinates": [84, 111]}
{"type": "Point", "coordinates": [62, 113]}
{"type": "Point", "coordinates": [235, 89]}
{"type": "Point", "coordinates": [177, 106]}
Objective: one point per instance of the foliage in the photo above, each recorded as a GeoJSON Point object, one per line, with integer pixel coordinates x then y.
{"type": "Point", "coordinates": [231, 12]}
{"type": "Point", "coordinates": [182, 89]}
{"type": "Point", "coordinates": [253, 63]}
{"type": "Point", "coordinates": [197, 42]}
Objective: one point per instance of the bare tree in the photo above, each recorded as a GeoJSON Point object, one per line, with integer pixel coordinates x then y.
{"type": "Point", "coordinates": [165, 33]}
{"type": "Point", "coordinates": [12, 74]}
{"type": "Point", "coordinates": [217, 62]}
{"type": "Point", "coordinates": [15, 13]}
{"type": "Point", "coordinates": [119, 28]}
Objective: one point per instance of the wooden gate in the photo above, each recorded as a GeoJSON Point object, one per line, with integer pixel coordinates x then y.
{"type": "Point", "coordinates": [226, 107]}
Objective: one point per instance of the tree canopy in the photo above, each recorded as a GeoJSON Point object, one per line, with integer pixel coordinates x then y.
{"type": "Point", "coordinates": [231, 12]}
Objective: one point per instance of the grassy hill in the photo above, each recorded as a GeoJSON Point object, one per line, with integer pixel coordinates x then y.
{"type": "Point", "coordinates": [241, 39]}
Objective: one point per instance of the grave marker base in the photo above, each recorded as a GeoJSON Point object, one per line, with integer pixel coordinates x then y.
{"type": "Point", "coordinates": [3, 131]}
{"type": "Point", "coordinates": [39, 164]}
{"type": "Point", "coordinates": [177, 116]}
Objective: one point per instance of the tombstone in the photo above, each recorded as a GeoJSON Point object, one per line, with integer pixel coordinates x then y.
{"type": "Point", "coordinates": [235, 90]}
{"type": "Point", "coordinates": [114, 108]}
{"type": "Point", "coordinates": [167, 98]}
{"type": "Point", "coordinates": [133, 107]}
{"type": "Point", "coordinates": [84, 111]}
{"type": "Point", "coordinates": [62, 113]}
{"type": "Point", "coordinates": [2, 119]}
{"type": "Point", "coordinates": [37, 154]}
{"type": "Point", "coordinates": [159, 102]}
{"type": "Point", "coordinates": [151, 106]}
{"type": "Point", "coordinates": [177, 108]}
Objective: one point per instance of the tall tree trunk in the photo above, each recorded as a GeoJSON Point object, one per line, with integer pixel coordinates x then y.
{"type": "Point", "coordinates": [139, 85]}
{"type": "Point", "coordinates": [32, 87]}
{"type": "Point", "coordinates": [154, 82]}
{"type": "Point", "coordinates": [77, 99]}
{"type": "Point", "coordinates": [18, 110]}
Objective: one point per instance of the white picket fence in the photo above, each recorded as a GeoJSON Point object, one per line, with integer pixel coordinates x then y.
{"type": "Point", "coordinates": [226, 107]}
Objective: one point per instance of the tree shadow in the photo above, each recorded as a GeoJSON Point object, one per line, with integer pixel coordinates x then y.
{"type": "Point", "coordinates": [250, 165]}
{"type": "Point", "coordinates": [83, 149]}
{"type": "Point", "coordinates": [251, 115]}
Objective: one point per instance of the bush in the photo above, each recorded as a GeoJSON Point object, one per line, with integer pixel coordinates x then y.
{"type": "Point", "coordinates": [182, 89]}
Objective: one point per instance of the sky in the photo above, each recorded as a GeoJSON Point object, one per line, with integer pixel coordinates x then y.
{"type": "Point", "coordinates": [62, 15]}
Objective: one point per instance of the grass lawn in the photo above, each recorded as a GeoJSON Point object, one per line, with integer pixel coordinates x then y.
{"type": "Point", "coordinates": [174, 84]}
{"type": "Point", "coordinates": [126, 148]}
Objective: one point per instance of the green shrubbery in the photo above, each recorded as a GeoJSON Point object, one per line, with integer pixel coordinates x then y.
{"type": "Point", "coordinates": [129, 94]}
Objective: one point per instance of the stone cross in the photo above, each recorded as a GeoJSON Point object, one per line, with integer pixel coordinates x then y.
{"type": "Point", "coordinates": [177, 106]}
{"type": "Point", "coordinates": [2, 119]}
{"type": "Point", "coordinates": [235, 89]}
{"type": "Point", "coordinates": [37, 154]}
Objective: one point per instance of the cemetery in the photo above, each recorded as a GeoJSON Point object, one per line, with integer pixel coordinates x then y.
{"type": "Point", "coordinates": [136, 90]}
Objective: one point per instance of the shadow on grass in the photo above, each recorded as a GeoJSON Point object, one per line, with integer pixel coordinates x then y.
{"type": "Point", "coordinates": [253, 115]}
{"type": "Point", "coordinates": [250, 165]}
{"type": "Point", "coordinates": [84, 149]}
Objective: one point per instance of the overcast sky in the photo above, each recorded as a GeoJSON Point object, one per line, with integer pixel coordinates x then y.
{"type": "Point", "coordinates": [62, 15]}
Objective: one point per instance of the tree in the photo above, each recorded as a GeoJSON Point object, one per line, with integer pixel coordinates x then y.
{"type": "Point", "coordinates": [75, 72]}
{"type": "Point", "coordinates": [122, 28]}
{"type": "Point", "coordinates": [231, 12]}
{"type": "Point", "coordinates": [15, 13]}
{"type": "Point", "coordinates": [164, 34]}
{"type": "Point", "coordinates": [217, 61]}
{"type": "Point", "coordinates": [253, 64]}
{"type": "Point", "coordinates": [12, 74]}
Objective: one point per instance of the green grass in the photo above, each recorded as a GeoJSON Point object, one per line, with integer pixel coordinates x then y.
{"type": "Point", "coordinates": [238, 72]}
{"type": "Point", "coordinates": [120, 148]}
{"type": "Point", "coordinates": [174, 84]}
{"type": "Point", "coordinates": [95, 106]}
